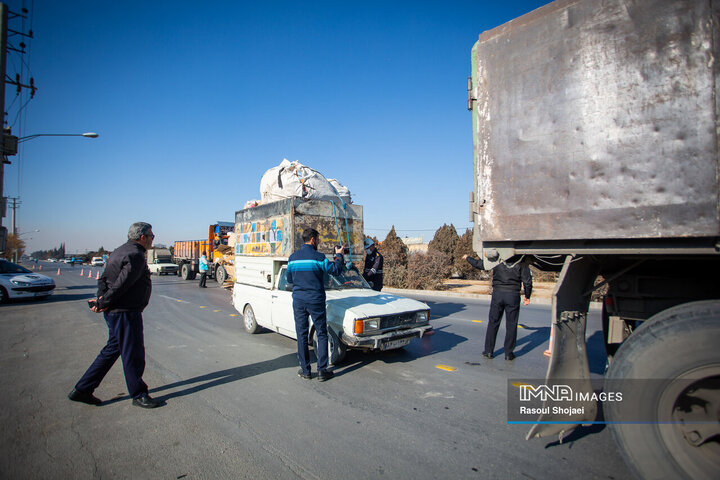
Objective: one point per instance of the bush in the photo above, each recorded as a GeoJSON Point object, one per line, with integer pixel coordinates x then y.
{"type": "Point", "coordinates": [395, 255]}
{"type": "Point", "coordinates": [426, 271]}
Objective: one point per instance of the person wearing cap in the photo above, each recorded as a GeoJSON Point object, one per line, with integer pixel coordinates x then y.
{"type": "Point", "coordinates": [507, 279]}
{"type": "Point", "coordinates": [373, 271]}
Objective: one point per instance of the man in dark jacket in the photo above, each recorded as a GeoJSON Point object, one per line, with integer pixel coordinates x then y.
{"type": "Point", "coordinates": [507, 278]}
{"type": "Point", "coordinates": [306, 270]}
{"type": "Point", "coordinates": [123, 293]}
{"type": "Point", "coordinates": [373, 271]}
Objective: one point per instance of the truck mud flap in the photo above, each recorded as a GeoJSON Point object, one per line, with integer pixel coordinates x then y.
{"type": "Point", "coordinates": [569, 361]}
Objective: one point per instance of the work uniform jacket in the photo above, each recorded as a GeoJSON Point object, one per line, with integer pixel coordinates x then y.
{"type": "Point", "coordinates": [373, 271]}
{"type": "Point", "coordinates": [306, 270]}
{"type": "Point", "coordinates": [509, 278]}
{"type": "Point", "coordinates": [125, 285]}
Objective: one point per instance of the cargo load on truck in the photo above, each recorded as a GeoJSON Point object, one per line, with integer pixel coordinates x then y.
{"type": "Point", "coordinates": [293, 179]}
{"type": "Point", "coordinates": [595, 147]}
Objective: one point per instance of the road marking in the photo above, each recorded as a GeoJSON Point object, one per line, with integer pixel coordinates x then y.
{"type": "Point", "coordinates": [520, 384]}
{"type": "Point", "coordinates": [477, 321]}
{"type": "Point", "coordinates": [447, 368]}
{"type": "Point", "coordinates": [203, 306]}
{"type": "Point", "coordinates": [216, 311]}
{"type": "Point", "coordinates": [233, 314]}
{"type": "Point", "coordinates": [521, 326]}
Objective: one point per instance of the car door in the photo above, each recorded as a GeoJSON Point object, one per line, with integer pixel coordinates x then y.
{"type": "Point", "coordinates": [281, 311]}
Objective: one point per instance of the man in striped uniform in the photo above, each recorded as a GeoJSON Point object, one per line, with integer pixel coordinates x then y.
{"type": "Point", "coordinates": [305, 271]}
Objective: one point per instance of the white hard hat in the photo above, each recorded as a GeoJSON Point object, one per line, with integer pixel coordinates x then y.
{"type": "Point", "coordinates": [369, 242]}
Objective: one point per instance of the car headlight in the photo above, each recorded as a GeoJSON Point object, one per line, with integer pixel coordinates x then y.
{"type": "Point", "coordinates": [367, 325]}
{"type": "Point", "coordinates": [422, 317]}
{"type": "Point", "coordinates": [20, 283]}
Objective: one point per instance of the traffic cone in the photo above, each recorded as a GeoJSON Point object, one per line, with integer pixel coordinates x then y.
{"type": "Point", "coordinates": [548, 352]}
{"type": "Point", "coordinates": [97, 276]}
{"type": "Point", "coordinates": [58, 271]}
{"type": "Point", "coordinates": [82, 272]}
{"type": "Point", "coordinates": [33, 267]}
{"type": "Point", "coordinates": [89, 273]}
{"type": "Point", "coordinates": [40, 267]}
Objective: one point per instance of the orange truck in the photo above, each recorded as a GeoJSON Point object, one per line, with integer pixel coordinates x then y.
{"type": "Point", "coordinates": [187, 253]}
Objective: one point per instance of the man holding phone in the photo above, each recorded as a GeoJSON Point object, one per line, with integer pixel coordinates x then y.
{"type": "Point", "coordinates": [123, 293]}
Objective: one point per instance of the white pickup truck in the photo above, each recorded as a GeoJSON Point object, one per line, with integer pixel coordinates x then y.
{"type": "Point", "coordinates": [159, 261]}
{"type": "Point", "coordinates": [357, 316]}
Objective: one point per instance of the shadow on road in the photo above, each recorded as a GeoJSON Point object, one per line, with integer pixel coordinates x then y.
{"type": "Point", "coordinates": [214, 379]}
{"type": "Point", "coordinates": [539, 336]}
{"type": "Point", "coordinates": [445, 308]}
{"type": "Point", "coordinates": [441, 341]}
{"type": "Point", "coordinates": [581, 431]}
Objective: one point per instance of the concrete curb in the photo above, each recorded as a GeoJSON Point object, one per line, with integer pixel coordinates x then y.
{"type": "Point", "coordinates": [478, 296]}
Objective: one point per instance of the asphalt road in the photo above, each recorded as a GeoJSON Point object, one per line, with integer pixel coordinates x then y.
{"type": "Point", "coordinates": [235, 407]}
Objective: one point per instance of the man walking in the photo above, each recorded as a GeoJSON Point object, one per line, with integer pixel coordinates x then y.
{"type": "Point", "coordinates": [507, 277]}
{"type": "Point", "coordinates": [203, 267]}
{"type": "Point", "coordinates": [123, 293]}
{"type": "Point", "coordinates": [306, 269]}
{"type": "Point", "coordinates": [373, 271]}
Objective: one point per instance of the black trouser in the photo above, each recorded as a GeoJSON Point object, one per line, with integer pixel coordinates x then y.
{"type": "Point", "coordinates": [203, 277]}
{"type": "Point", "coordinates": [125, 340]}
{"type": "Point", "coordinates": [508, 302]}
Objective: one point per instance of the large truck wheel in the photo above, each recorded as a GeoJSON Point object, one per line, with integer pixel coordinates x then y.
{"type": "Point", "coordinates": [249, 320]}
{"type": "Point", "coordinates": [185, 271]}
{"type": "Point", "coordinates": [192, 275]}
{"type": "Point", "coordinates": [675, 362]}
{"type": "Point", "coordinates": [336, 349]}
{"type": "Point", "coordinates": [220, 274]}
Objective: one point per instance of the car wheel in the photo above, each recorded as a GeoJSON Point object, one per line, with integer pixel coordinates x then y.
{"type": "Point", "coordinates": [249, 320]}
{"type": "Point", "coordinates": [336, 349]}
{"type": "Point", "coordinates": [220, 274]}
{"type": "Point", "coordinates": [3, 295]}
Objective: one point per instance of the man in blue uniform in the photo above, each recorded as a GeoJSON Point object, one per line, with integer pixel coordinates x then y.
{"type": "Point", "coordinates": [306, 269]}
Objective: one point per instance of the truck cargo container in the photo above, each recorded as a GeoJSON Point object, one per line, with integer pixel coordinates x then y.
{"type": "Point", "coordinates": [595, 145]}
{"type": "Point", "coordinates": [187, 253]}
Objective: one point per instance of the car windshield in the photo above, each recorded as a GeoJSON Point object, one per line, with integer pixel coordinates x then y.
{"type": "Point", "coordinates": [348, 279]}
{"type": "Point", "coordinates": [9, 267]}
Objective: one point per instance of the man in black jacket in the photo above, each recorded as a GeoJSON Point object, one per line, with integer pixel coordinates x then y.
{"type": "Point", "coordinates": [507, 278]}
{"type": "Point", "coordinates": [123, 293]}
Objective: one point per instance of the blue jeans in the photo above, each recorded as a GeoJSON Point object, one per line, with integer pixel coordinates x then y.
{"type": "Point", "coordinates": [301, 310]}
{"type": "Point", "coordinates": [125, 340]}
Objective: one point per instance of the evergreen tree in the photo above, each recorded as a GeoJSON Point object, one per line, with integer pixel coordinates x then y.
{"type": "Point", "coordinates": [444, 241]}
{"type": "Point", "coordinates": [396, 259]}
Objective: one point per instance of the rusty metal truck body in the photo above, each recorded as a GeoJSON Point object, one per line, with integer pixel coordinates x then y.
{"type": "Point", "coordinates": [595, 145]}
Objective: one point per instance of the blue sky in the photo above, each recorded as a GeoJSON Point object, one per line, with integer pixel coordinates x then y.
{"type": "Point", "coordinates": [194, 102]}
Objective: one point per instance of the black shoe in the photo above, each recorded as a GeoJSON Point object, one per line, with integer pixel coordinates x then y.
{"type": "Point", "coordinates": [487, 355]}
{"type": "Point", "coordinates": [84, 397]}
{"type": "Point", "coordinates": [146, 401]}
{"type": "Point", "coordinates": [510, 357]}
{"type": "Point", "coordinates": [325, 375]}
{"type": "Point", "coordinates": [306, 376]}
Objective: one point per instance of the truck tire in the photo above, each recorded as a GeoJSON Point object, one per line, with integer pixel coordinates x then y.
{"type": "Point", "coordinates": [249, 320]}
{"type": "Point", "coordinates": [677, 349]}
{"type": "Point", "coordinates": [336, 349]}
{"type": "Point", "coordinates": [192, 275]}
{"type": "Point", "coordinates": [220, 274]}
{"type": "Point", "coordinates": [185, 271]}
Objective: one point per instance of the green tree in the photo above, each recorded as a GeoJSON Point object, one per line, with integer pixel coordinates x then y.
{"type": "Point", "coordinates": [460, 265]}
{"type": "Point", "coordinates": [445, 240]}
{"type": "Point", "coordinates": [395, 264]}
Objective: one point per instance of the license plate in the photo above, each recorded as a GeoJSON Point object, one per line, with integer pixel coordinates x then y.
{"type": "Point", "coordinates": [390, 344]}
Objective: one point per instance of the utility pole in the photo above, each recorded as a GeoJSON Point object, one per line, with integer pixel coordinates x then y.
{"type": "Point", "coordinates": [3, 53]}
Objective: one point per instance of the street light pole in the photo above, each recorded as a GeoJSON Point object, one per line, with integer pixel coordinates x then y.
{"type": "Point", "coordinates": [30, 137]}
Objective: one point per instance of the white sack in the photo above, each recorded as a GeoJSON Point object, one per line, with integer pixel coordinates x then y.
{"type": "Point", "coordinates": [342, 191]}
{"type": "Point", "coordinates": [296, 180]}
